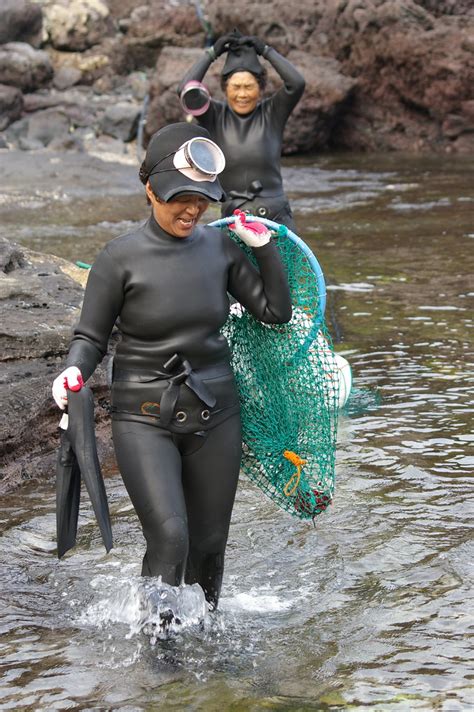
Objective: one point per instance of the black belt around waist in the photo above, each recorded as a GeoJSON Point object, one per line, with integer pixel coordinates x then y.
{"type": "Point", "coordinates": [176, 371]}
{"type": "Point", "coordinates": [264, 206]}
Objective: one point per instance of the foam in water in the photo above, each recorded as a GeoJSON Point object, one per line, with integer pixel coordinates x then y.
{"type": "Point", "coordinates": [257, 603]}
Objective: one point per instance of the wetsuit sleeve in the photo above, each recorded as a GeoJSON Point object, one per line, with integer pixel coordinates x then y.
{"type": "Point", "coordinates": [103, 300]}
{"type": "Point", "coordinates": [197, 71]}
{"type": "Point", "coordinates": [289, 95]}
{"type": "Point", "coordinates": [263, 292]}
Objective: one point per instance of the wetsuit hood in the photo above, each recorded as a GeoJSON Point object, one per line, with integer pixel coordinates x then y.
{"type": "Point", "coordinates": [242, 58]}
{"type": "Point", "coordinates": [165, 179]}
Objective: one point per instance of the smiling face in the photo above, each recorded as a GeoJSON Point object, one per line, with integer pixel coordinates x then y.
{"type": "Point", "coordinates": [242, 92]}
{"type": "Point", "coordinates": [180, 215]}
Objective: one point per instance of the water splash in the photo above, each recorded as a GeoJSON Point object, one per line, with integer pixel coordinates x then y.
{"type": "Point", "coordinates": [145, 605]}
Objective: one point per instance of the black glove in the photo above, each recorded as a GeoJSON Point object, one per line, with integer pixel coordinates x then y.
{"type": "Point", "coordinates": [222, 44]}
{"type": "Point", "coordinates": [259, 45]}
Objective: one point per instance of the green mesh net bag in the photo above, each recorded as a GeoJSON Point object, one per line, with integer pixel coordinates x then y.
{"type": "Point", "coordinates": [288, 386]}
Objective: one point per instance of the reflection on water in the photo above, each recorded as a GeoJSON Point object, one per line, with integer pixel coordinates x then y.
{"type": "Point", "coordinates": [371, 608]}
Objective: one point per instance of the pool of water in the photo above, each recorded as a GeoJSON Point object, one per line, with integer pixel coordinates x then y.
{"type": "Point", "coordinates": [371, 607]}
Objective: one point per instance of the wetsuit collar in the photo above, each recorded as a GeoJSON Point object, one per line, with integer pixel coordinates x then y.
{"type": "Point", "coordinates": [153, 228]}
{"type": "Point", "coordinates": [244, 116]}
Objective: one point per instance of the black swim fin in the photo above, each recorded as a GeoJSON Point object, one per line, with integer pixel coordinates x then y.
{"type": "Point", "coordinates": [68, 495]}
{"type": "Point", "coordinates": [80, 435]}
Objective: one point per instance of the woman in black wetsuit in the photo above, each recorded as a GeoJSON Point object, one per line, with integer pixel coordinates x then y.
{"type": "Point", "coordinates": [175, 408]}
{"type": "Point", "coordinates": [248, 129]}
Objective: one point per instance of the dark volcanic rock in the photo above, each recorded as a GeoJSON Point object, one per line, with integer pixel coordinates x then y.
{"type": "Point", "coordinates": [413, 68]}
{"type": "Point", "coordinates": [121, 120]}
{"type": "Point", "coordinates": [448, 7]}
{"type": "Point", "coordinates": [40, 298]}
{"type": "Point", "coordinates": [381, 74]}
{"type": "Point", "coordinates": [325, 99]}
{"type": "Point", "coordinates": [154, 25]}
{"type": "Point", "coordinates": [11, 105]}
{"type": "Point", "coordinates": [24, 67]}
{"type": "Point", "coordinates": [39, 129]}
{"type": "Point", "coordinates": [20, 21]}
{"type": "Point", "coordinates": [162, 23]}
{"type": "Point", "coordinates": [66, 77]}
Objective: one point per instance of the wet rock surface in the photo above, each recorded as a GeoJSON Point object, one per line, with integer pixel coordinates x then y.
{"type": "Point", "coordinates": [381, 74]}
{"type": "Point", "coordinates": [40, 301]}
{"type": "Point", "coordinates": [40, 298]}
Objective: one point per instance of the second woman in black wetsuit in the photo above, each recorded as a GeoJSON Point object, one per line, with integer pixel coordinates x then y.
{"type": "Point", "coordinates": [175, 408]}
{"type": "Point", "coordinates": [247, 128]}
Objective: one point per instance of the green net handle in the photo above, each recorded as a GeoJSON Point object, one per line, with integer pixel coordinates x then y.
{"type": "Point", "coordinates": [313, 262]}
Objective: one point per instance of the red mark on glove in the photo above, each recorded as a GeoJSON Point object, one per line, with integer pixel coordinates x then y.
{"type": "Point", "coordinates": [77, 386]}
{"type": "Point", "coordinates": [257, 228]}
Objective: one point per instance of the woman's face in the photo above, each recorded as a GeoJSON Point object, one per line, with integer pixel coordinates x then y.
{"type": "Point", "coordinates": [242, 92]}
{"type": "Point", "coordinates": [178, 216]}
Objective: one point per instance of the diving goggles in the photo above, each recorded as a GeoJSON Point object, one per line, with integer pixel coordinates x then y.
{"type": "Point", "coordinates": [200, 159]}
{"type": "Point", "coordinates": [195, 98]}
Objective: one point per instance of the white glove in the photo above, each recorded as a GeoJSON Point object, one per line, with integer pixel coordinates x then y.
{"type": "Point", "coordinates": [70, 379]}
{"type": "Point", "coordinates": [254, 234]}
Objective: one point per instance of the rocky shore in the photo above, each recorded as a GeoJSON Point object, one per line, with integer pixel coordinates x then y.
{"type": "Point", "coordinates": [40, 298]}
{"type": "Point", "coordinates": [381, 74]}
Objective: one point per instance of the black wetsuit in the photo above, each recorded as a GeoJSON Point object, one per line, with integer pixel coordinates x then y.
{"type": "Point", "coordinates": [252, 143]}
{"type": "Point", "coordinates": [175, 408]}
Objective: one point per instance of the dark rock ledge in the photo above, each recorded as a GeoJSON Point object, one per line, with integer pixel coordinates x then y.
{"type": "Point", "coordinates": [40, 298]}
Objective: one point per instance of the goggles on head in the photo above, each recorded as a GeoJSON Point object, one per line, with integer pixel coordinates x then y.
{"type": "Point", "coordinates": [199, 159]}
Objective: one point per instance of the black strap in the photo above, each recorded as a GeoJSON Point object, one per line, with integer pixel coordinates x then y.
{"type": "Point", "coordinates": [176, 371]}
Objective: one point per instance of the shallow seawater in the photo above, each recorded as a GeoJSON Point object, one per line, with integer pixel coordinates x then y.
{"type": "Point", "coordinates": [371, 607]}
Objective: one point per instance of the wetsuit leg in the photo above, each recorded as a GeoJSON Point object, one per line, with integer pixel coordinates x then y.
{"type": "Point", "coordinates": [150, 464]}
{"type": "Point", "coordinates": [210, 476]}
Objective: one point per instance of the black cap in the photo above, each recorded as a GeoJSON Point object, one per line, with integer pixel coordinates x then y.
{"type": "Point", "coordinates": [167, 181]}
{"type": "Point", "coordinates": [242, 58]}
